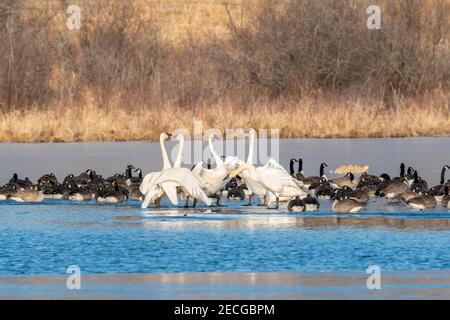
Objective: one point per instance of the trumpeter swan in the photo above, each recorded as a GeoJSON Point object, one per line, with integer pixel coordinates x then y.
{"type": "Point", "coordinates": [171, 180]}
{"type": "Point", "coordinates": [212, 180]}
{"type": "Point", "coordinates": [150, 177]}
{"type": "Point", "coordinates": [278, 182]}
{"type": "Point", "coordinates": [255, 188]}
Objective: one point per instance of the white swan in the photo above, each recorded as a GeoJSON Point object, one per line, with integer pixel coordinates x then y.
{"type": "Point", "coordinates": [147, 180]}
{"type": "Point", "coordinates": [255, 188]}
{"type": "Point", "coordinates": [277, 182]}
{"type": "Point", "coordinates": [271, 181]}
{"type": "Point", "coordinates": [212, 180]}
{"type": "Point", "coordinates": [171, 180]}
{"type": "Point", "coordinates": [150, 179]}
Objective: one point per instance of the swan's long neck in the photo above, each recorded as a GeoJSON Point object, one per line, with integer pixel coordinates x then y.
{"type": "Point", "coordinates": [166, 162]}
{"type": "Point", "coordinates": [216, 157]}
{"type": "Point", "coordinates": [177, 163]}
{"type": "Point", "coordinates": [251, 147]}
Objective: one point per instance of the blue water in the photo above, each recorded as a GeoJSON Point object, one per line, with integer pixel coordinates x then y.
{"type": "Point", "coordinates": [48, 237]}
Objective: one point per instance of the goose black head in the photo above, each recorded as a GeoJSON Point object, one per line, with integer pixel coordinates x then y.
{"type": "Point", "coordinates": [402, 169]}
{"type": "Point", "coordinates": [351, 176]}
{"type": "Point", "coordinates": [291, 166]}
{"type": "Point", "coordinates": [385, 177]}
{"type": "Point", "coordinates": [15, 177]}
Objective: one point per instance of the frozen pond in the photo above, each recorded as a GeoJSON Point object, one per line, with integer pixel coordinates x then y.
{"type": "Point", "coordinates": [43, 239]}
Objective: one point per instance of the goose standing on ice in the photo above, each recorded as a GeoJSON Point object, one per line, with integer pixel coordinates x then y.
{"type": "Point", "coordinates": [26, 195]}
{"type": "Point", "coordinates": [308, 181]}
{"type": "Point", "coordinates": [423, 202]}
{"type": "Point", "coordinates": [438, 191]}
{"type": "Point", "coordinates": [346, 205]}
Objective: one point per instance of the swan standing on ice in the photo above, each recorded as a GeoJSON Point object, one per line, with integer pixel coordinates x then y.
{"type": "Point", "coordinates": [269, 181]}
{"type": "Point", "coordinates": [171, 180]}
{"type": "Point", "coordinates": [151, 177]}
{"type": "Point", "coordinates": [255, 189]}
{"type": "Point", "coordinates": [212, 180]}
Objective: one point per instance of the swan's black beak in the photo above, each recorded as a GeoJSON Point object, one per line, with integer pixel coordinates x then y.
{"type": "Point", "coordinates": [169, 134]}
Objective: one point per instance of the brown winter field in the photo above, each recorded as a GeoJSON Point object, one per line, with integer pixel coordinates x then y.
{"type": "Point", "coordinates": [308, 68]}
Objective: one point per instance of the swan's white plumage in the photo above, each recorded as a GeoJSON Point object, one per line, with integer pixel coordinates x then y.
{"type": "Point", "coordinates": [212, 180]}
{"type": "Point", "coordinates": [171, 180]}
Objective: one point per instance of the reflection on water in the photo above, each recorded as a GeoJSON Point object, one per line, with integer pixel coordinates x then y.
{"type": "Point", "coordinates": [46, 238]}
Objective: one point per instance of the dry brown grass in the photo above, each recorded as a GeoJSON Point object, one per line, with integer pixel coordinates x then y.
{"type": "Point", "coordinates": [309, 68]}
{"type": "Point", "coordinates": [308, 117]}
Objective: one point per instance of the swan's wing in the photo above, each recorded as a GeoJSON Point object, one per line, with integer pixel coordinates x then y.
{"type": "Point", "coordinates": [187, 180]}
{"type": "Point", "coordinates": [281, 181]}
{"type": "Point", "coordinates": [170, 189]}
{"type": "Point", "coordinates": [147, 181]}
{"type": "Point", "coordinates": [274, 164]}
{"type": "Point", "coordinates": [149, 196]}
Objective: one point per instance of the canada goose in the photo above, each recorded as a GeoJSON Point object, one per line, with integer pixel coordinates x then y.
{"type": "Point", "coordinates": [438, 190]}
{"type": "Point", "coordinates": [366, 179]}
{"type": "Point", "coordinates": [291, 167]}
{"type": "Point", "coordinates": [81, 194]}
{"type": "Point", "coordinates": [26, 183]}
{"type": "Point", "coordinates": [422, 202]}
{"type": "Point", "coordinates": [371, 189]}
{"type": "Point", "coordinates": [299, 175]}
{"type": "Point", "coordinates": [53, 191]}
{"type": "Point", "coordinates": [402, 172]}
{"type": "Point", "coordinates": [347, 180]}
{"type": "Point", "coordinates": [360, 195]}
{"type": "Point", "coordinates": [408, 195]}
{"type": "Point", "coordinates": [138, 179]}
{"type": "Point", "coordinates": [5, 191]}
{"type": "Point", "coordinates": [323, 191]}
{"type": "Point", "coordinates": [111, 194]}
{"type": "Point", "coordinates": [296, 205]}
{"type": "Point", "coordinates": [68, 188]}
{"type": "Point", "coordinates": [69, 179]}
{"type": "Point", "coordinates": [311, 203]}
{"type": "Point", "coordinates": [418, 185]}
{"type": "Point", "coordinates": [232, 183]}
{"type": "Point", "coordinates": [409, 176]}
{"type": "Point", "coordinates": [341, 193]}
{"type": "Point", "coordinates": [84, 177]}
{"type": "Point", "coordinates": [346, 205]}
{"type": "Point", "coordinates": [393, 190]}
{"type": "Point", "coordinates": [136, 194]}
{"type": "Point", "coordinates": [47, 179]}
{"type": "Point", "coordinates": [26, 195]}
{"type": "Point", "coordinates": [128, 171]}
{"type": "Point", "coordinates": [446, 197]}
{"type": "Point", "coordinates": [307, 182]}
{"type": "Point", "coordinates": [236, 193]}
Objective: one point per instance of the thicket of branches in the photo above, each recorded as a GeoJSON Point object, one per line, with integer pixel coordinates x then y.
{"type": "Point", "coordinates": [283, 49]}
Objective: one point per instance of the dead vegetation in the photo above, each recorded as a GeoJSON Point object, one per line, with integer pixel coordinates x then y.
{"type": "Point", "coordinates": [310, 68]}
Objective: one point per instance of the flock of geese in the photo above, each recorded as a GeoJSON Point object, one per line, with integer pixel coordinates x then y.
{"type": "Point", "coordinates": [237, 179]}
